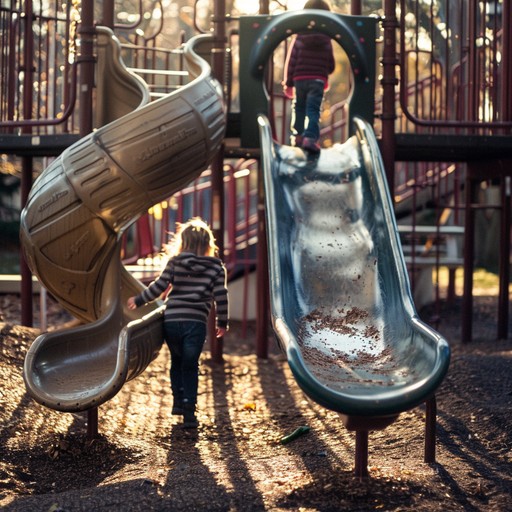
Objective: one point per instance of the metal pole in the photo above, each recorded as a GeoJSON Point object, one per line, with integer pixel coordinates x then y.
{"type": "Point", "coordinates": [263, 299]}
{"type": "Point", "coordinates": [506, 99]}
{"type": "Point", "coordinates": [27, 164]}
{"type": "Point", "coordinates": [361, 459]}
{"type": "Point", "coordinates": [263, 285]}
{"type": "Point", "coordinates": [25, 272]}
{"type": "Point", "coordinates": [469, 256]}
{"type": "Point", "coordinates": [218, 64]}
{"type": "Point", "coordinates": [217, 344]}
{"type": "Point", "coordinates": [430, 430]}
{"type": "Point", "coordinates": [506, 114]}
{"type": "Point", "coordinates": [389, 82]}
{"type": "Point", "coordinates": [355, 7]}
{"type": "Point", "coordinates": [43, 309]}
{"type": "Point", "coordinates": [108, 13]}
{"type": "Point", "coordinates": [472, 98]}
{"type": "Point", "coordinates": [86, 61]}
{"type": "Point", "coordinates": [504, 261]}
{"type": "Point", "coordinates": [92, 423]}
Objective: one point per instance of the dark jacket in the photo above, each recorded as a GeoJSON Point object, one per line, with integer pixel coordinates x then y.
{"type": "Point", "coordinates": [195, 282]}
{"type": "Point", "coordinates": [310, 57]}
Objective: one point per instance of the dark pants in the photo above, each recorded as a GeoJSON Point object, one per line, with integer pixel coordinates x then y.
{"type": "Point", "coordinates": [185, 341]}
{"type": "Point", "coordinates": [308, 99]}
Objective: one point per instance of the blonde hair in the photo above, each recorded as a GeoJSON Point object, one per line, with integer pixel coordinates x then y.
{"type": "Point", "coordinates": [317, 4]}
{"type": "Point", "coordinates": [195, 236]}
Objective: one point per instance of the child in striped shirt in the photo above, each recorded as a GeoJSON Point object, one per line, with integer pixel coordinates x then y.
{"type": "Point", "coordinates": [196, 278]}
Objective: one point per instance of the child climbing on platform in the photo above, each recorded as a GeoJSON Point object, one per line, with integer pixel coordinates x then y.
{"type": "Point", "coordinates": [309, 62]}
{"type": "Point", "coordinates": [196, 278]}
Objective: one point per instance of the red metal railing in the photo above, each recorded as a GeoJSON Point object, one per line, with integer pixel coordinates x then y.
{"type": "Point", "coordinates": [455, 70]}
{"type": "Point", "coordinates": [463, 48]}
{"type": "Point", "coordinates": [38, 69]}
{"type": "Point", "coordinates": [151, 233]}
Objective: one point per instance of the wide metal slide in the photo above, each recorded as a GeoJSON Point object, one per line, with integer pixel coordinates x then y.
{"type": "Point", "coordinates": [340, 296]}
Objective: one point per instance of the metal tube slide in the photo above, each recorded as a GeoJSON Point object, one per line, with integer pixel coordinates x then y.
{"type": "Point", "coordinates": [71, 228]}
{"type": "Point", "coordinates": [340, 295]}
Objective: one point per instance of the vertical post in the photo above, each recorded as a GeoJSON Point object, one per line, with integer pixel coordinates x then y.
{"type": "Point", "coordinates": [92, 423]}
{"type": "Point", "coordinates": [43, 309]}
{"type": "Point", "coordinates": [262, 299]}
{"type": "Point", "coordinates": [469, 256]}
{"type": "Point", "coordinates": [217, 344]}
{"type": "Point", "coordinates": [451, 293]}
{"type": "Point", "coordinates": [506, 100]}
{"type": "Point", "coordinates": [504, 261]}
{"type": "Point", "coordinates": [218, 65]}
{"type": "Point", "coordinates": [506, 180]}
{"type": "Point", "coordinates": [355, 7]}
{"type": "Point", "coordinates": [389, 82]}
{"type": "Point", "coordinates": [430, 430]}
{"type": "Point", "coordinates": [25, 272]}
{"type": "Point", "coordinates": [12, 88]}
{"type": "Point", "coordinates": [27, 164]}
{"type": "Point", "coordinates": [361, 458]}
{"type": "Point", "coordinates": [262, 304]}
{"type": "Point", "coordinates": [472, 93]}
{"type": "Point", "coordinates": [86, 60]}
{"type": "Point", "coordinates": [108, 13]}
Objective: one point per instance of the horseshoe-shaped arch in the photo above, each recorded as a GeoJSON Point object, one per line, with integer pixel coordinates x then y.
{"type": "Point", "coordinates": [260, 35]}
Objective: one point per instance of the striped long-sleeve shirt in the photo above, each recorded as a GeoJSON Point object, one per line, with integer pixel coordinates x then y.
{"type": "Point", "coordinates": [194, 281]}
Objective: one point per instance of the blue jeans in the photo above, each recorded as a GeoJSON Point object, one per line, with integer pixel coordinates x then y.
{"type": "Point", "coordinates": [309, 95]}
{"type": "Point", "coordinates": [185, 341]}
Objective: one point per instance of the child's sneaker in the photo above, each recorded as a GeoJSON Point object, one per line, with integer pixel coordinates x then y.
{"type": "Point", "coordinates": [177, 408]}
{"type": "Point", "coordinates": [310, 145]}
{"type": "Point", "coordinates": [189, 415]}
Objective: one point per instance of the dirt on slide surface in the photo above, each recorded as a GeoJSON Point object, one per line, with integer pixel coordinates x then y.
{"type": "Point", "coordinates": [234, 461]}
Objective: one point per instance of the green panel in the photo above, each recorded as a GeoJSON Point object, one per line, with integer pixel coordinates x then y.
{"type": "Point", "coordinates": [260, 35]}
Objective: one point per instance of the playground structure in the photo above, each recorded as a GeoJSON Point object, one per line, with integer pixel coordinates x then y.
{"type": "Point", "coordinates": [248, 146]}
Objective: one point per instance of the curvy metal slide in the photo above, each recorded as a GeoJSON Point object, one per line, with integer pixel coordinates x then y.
{"type": "Point", "coordinates": [340, 296]}
{"type": "Point", "coordinates": [72, 225]}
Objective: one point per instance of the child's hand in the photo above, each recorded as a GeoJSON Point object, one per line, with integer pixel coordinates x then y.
{"type": "Point", "coordinates": [220, 331]}
{"type": "Point", "coordinates": [288, 91]}
{"type": "Point", "coordinates": [131, 303]}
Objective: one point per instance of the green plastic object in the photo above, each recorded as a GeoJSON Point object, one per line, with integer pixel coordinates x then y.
{"type": "Point", "coordinates": [300, 431]}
